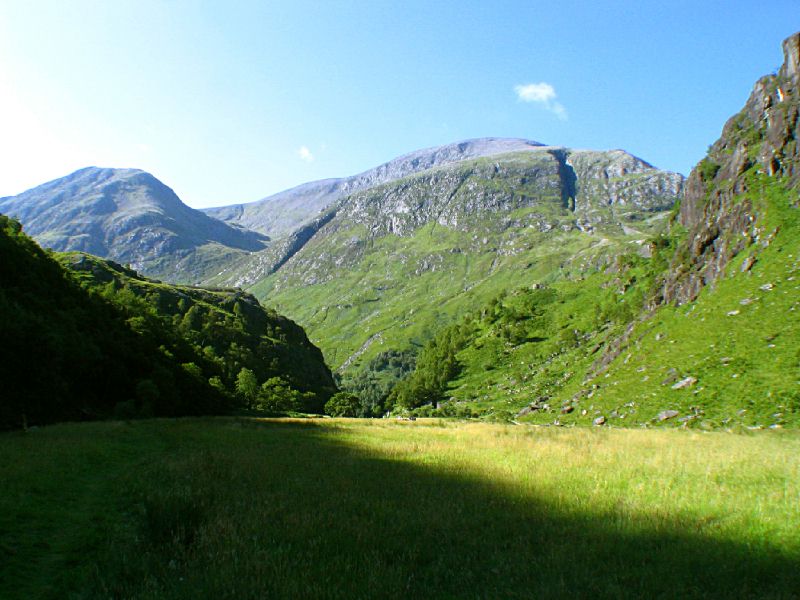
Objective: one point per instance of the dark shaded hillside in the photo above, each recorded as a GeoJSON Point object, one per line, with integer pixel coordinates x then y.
{"type": "Point", "coordinates": [225, 330]}
{"type": "Point", "coordinates": [73, 353]}
{"type": "Point", "coordinates": [69, 355]}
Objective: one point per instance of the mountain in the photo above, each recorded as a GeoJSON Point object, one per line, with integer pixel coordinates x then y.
{"type": "Point", "coordinates": [86, 338]}
{"type": "Point", "coordinates": [284, 212]}
{"type": "Point", "coordinates": [131, 217]}
{"type": "Point", "coordinates": [699, 331]}
{"type": "Point", "coordinates": [384, 267]}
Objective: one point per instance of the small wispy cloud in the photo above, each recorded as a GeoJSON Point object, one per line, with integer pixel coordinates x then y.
{"type": "Point", "coordinates": [305, 154]}
{"type": "Point", "coordinates": [544, 94]}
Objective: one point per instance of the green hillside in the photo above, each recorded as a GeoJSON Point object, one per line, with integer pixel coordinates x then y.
{"type": "Point", "coordinates": [574, 351]}
{"type": "Point", "coordinates": [391, 265]}
{"type": "Point", "coordinates": [700, 331]}
{"type": "Point", "coordinates": [86, 339]}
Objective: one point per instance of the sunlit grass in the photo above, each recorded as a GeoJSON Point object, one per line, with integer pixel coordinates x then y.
{"type": "Point", "coordinates": [216, 508]}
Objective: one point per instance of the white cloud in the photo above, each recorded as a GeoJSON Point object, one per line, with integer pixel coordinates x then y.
{"type": "Point", "coordinates": [535, 92]}
{"type": "Point", "coordinates": [544, 94]}
{"type": "Point", "coordinates": [305, 154]}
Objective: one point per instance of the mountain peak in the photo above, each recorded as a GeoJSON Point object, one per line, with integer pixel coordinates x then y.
{"type": "Point", "coordinates": [285, 211]}
{"type": "Point", "coordinates": [127, 215]}
{"type": "Point", "coordinates": [791, 56]}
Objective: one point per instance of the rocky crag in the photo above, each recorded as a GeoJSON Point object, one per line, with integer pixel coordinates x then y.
{"type": "Point", "coordinates": [720, 219]}
{"type": "Point", "coordinates": [282, 213]}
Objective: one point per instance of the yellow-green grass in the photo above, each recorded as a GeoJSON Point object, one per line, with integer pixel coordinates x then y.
{"type": "Point", "coordinates": [241, 508]}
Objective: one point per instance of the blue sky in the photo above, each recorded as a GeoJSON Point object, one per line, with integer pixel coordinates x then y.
{"type": "Point", "coordinates": [232, 101]}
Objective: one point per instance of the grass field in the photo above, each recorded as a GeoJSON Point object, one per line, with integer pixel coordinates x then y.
{"type": "Point", "coordinates": [235, 508]}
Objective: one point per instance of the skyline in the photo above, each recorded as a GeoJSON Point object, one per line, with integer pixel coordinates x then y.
{"type": "Point", "coordinates": [232, 104]}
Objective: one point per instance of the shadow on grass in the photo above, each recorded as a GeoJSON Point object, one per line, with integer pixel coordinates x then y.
{"type": "Point", "coordinates": [249, 510]}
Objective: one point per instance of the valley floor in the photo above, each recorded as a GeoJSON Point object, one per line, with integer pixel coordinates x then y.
{"type": "Point", "coordinates": [245, 508]}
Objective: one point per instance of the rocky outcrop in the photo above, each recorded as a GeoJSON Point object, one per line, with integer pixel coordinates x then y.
{"type": "Point", "coordinates": [761, 138]}
{"type": "Point", "coordinates": [549, 189]}
{"type": "Point", "coordinates": [280, 214]}
{"type": "Point", "coordinates": [615, 187]}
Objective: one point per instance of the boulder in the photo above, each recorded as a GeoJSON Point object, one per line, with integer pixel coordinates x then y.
{"type": "Point", "coordinates": [672, 377]}
{"type": "Point", "coordinates": [527, 410]}
{"type": "Point", "coordinates": [684, 383]}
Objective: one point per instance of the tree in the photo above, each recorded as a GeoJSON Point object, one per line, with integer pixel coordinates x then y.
{"type": "Point", "coordinates": [276, 395]}
{"type": "Point", "coordinates": [343, 404]}
{"type": "Point", "coordinates": [247, 386]}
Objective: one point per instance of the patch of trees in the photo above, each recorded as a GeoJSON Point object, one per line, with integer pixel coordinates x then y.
{"type": "Point", "coordinates": [96, 341]}
{"type": "Point", "coordinates": [437, 364]}
{"type": "Point", "coordinates": [373, 384]}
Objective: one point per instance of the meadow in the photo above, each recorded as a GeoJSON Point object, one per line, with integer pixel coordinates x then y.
{"type": "Point", "coordinates": [326, 508]}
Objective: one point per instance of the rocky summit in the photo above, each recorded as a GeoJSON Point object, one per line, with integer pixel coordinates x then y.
{"type": "Point", "coordinates": [282, 213]}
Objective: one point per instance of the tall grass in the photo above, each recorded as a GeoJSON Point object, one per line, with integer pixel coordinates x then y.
{"type": "Point", "coordinates": [225, 508]}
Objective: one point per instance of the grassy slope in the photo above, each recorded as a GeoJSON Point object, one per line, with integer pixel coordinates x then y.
{"type": "Point", "coordinates": [196, 266]}
{"type": "Point", "coordinates": [223, 508]}
{"type": "Point", "coordinates": [746, 356]}
{"type": "Point", "coordinates": [747, 364]}
{"type": "Point", "coordinates": [387, 296]}
{"type": "Point", "coordinates": [404, 288]}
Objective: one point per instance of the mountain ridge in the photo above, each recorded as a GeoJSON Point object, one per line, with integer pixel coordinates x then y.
{"type": "Point", "coordinates": [618, 186]}
{"type": "Point", "coordinates": [127, 215]}
{"type": "Point", "coordinates": [299, 205]}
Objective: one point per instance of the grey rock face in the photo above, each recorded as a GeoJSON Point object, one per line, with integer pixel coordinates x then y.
{"type": "Point", "coordinates": [665, 415]}
{"type": "Point", "coordinates": [542, 189]}
{"type": "Point", "coordinates": [123, 214]}
{"type": "Point", "coordinates": [762, 135]}
{"type": "Point", "coordinates": [684, 383]}
{"type": "Point", "coordinates": [282, 213]}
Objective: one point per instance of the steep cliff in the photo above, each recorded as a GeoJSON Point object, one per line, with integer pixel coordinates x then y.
{"type": "Point", "coordinates": [762, 139]}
